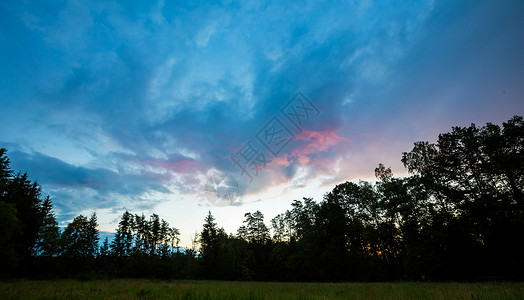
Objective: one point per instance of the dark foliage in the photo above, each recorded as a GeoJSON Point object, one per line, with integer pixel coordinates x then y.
{"type": "Point", "coordinates": [458, 216]}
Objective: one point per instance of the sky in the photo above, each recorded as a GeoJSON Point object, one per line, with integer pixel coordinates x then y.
{"type": "Point", "coordinates": [180, 107]}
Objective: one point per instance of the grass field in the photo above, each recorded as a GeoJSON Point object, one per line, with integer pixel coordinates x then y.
{"type": "Point", "coordinates": [153, 289]}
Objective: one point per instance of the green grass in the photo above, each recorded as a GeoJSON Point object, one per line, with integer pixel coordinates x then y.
{"type": "Point", "coordinates": [155, 289]}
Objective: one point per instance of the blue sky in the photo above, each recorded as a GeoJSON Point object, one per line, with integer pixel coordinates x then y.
{"type": "Point", "coordinates": [135, 104]}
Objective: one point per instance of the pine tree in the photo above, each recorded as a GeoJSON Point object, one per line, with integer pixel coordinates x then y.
{"type": "Point", "coordinates": [48, 240]}
{"type": "Point", "coordinates": [123, 242]}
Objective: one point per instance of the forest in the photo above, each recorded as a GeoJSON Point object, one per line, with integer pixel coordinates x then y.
{"type": "Point", "coordinates": [457, 215]}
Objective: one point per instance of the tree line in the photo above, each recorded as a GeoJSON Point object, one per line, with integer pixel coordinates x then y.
{"type": "Point", "coordinates": [458, 215]}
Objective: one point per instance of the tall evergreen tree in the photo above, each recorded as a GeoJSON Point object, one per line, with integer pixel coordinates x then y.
{"type": "Point", "coordinates": [122, 244]}
{"type": "Point", "coordinates": [104, 248]}
{"type": "Point", "coordinates": [5, 173]}
{"type": "Point", "coordinates": [48, 241]}
{"type": "Point", "coordinates": [209, 246]}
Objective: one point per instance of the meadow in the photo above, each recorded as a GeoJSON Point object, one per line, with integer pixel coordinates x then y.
{"type": "Point", "coordinates": [157, 289]}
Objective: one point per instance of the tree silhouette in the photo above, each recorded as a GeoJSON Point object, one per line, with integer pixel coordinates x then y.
{"type": "Point", "coordinates": [459, 215]}
{"type": "Point", "coordinates": [48, 241]}
{"type": "Point", "coordinates": [27, 222]}
{"type": "Point", "coordinates": [123, 241]}
{"type": "Point", "coordinates": [80, 238]}
{"type": "Point", "coordinates": [209, 246]}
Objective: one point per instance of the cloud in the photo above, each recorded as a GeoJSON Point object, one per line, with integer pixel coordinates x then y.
{"type": "Point", "coordinates": [181, 166]}
{"type": "Point", "coordinates": [316, 141]}
{"type": "Point", "coordinates": [126, 102]}
{"type": "Point", "coordinates": [76, 188]}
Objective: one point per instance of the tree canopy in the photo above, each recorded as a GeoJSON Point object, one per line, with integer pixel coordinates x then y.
{"type": "Point", "coordinates": [458, 215]}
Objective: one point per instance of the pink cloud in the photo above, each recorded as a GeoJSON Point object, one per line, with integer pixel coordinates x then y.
{"type": "Point", "coordinates": [281, 160]}
{"type": "Point", "coordinates": [316, 141]}
{"type": "Point", "coordinates": [309, 143]}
